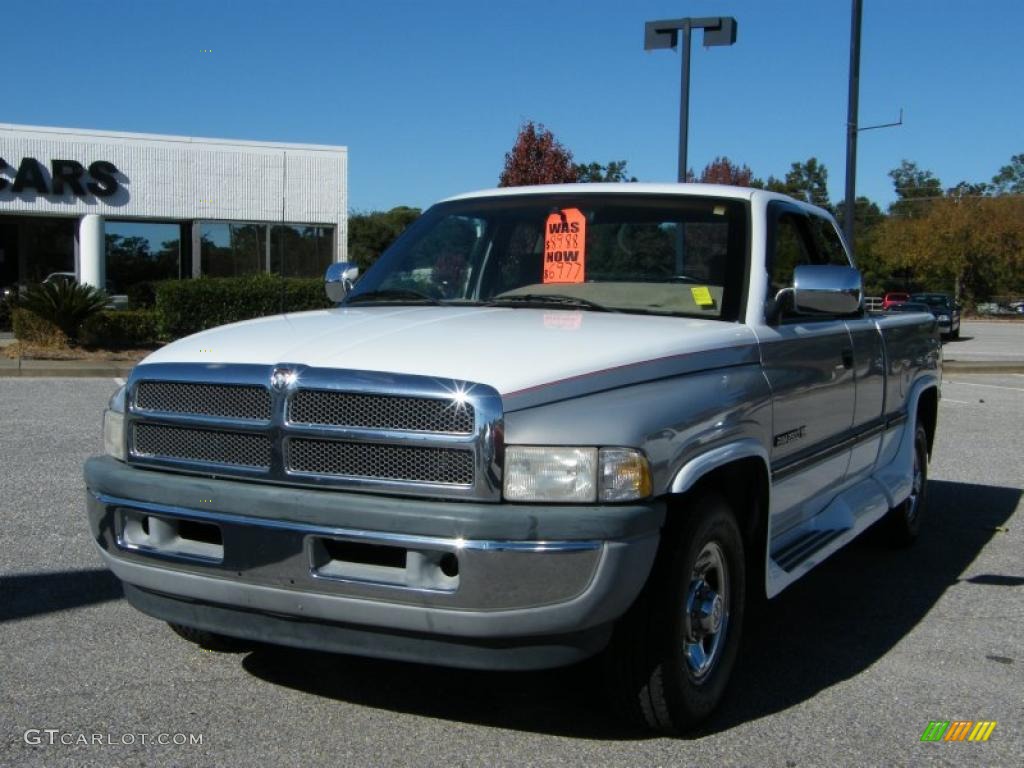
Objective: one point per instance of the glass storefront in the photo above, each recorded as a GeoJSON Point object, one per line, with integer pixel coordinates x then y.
{"type": "Point", "coordinates": [32, 248]}
{"type": "Point", "coordinates": [230, 249]}
{"type": "Point", "coordinates": [35, 247]}
{"type": "Point", "coordinates": [144, 252]}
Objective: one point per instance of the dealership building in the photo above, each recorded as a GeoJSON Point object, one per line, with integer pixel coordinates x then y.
{"type": "Point", "coordinates": [117, 209]}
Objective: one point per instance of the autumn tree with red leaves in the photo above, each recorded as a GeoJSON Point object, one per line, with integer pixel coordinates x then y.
{"type": "Point", "coordinates": [722, 170]}
{"type": "Point", "coordinates": [537, 157]}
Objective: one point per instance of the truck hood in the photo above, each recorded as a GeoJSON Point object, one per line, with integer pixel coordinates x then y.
{"type": "Point", "coordinates": [519, 352]}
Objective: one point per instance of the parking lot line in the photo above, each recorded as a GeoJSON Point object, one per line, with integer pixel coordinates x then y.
{"type": "Point", "coordinates": [989, 386]}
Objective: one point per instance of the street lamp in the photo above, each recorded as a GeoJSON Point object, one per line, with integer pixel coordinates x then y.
{"type": "Point", "coordinates": [718, 30]}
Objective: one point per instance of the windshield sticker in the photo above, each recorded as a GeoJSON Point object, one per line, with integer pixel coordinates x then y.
{"type": "Point", "coordinates": [565, 238]}
{"type": "Point", "coordinates": [702, 296]}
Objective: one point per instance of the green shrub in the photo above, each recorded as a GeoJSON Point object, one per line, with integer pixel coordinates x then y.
{"type": "Point", "coordinates": [65, 304]}
{"type": "Point", "coordinates": [141, 295]}
{"type": "Point", "coordinates": [5, 313]}
{"type": "Point", "coordinates": [120, 328]}
{"type": "Point", "coordinates": [30, 328]}
{"type": "Point", "coordinates": [188, 306]}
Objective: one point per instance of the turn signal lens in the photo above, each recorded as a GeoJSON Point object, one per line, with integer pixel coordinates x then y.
{"type": "Point", "coordinates": [625, 475]}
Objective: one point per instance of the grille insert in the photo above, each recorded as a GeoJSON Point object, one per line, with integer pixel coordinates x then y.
{"type": "Point", "coordinates": [448, 466]}
{"type": "Point", "coordinates": [350, 409]}
{"type": "Point", "coordinates": [225, 400]}
{"type": "Point", "coordinates": [205, 445]}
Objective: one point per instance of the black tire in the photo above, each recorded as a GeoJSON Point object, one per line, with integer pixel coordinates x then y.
{"type": "Point", "coordinates": [956, 333]}
{"type": "Point", "coordinates": [210, 641]}
{"type": "Point", "coordinates": [651, 662]}
{"type": "Point", "coordinates": [904, 521]}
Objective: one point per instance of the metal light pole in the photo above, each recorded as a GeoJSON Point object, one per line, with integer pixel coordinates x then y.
{"type": "Point", "coordinates": [851, 125]}
{"type": "Point", "coordinates": [718, 30]}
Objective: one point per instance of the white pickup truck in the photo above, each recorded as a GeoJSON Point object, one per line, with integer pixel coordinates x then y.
{"type": "Point", "coordinates": [548, 423]}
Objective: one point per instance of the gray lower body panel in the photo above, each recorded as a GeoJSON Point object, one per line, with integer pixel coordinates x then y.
{"type": "Point", "coordinates": [445, 582]}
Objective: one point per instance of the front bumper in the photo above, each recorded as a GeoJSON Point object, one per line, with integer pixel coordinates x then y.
{"type": "Point", "coordinates": [462, 584]}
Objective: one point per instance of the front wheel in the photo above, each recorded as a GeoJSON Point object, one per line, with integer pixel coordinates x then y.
{"type": "Point", "coordinates": [672, 655]}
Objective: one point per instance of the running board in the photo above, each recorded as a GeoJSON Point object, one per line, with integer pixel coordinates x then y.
{"type": "Point", "coordinates": [804, 547]}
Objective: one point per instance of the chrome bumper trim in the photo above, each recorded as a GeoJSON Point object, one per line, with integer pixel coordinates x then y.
{"type": "Point", "coordinates": [369, 537]}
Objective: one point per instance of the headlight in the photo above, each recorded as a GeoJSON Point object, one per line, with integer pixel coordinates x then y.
{"type": "Point", "coordinates": [113, 426]}
{"type": "Point", "coordinates": [536, 473]}
{"type": "Point", "coordinates": [943, 318]}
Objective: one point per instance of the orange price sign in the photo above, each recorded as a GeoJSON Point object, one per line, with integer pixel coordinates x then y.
{"type": "Point", "coordinates": [565, 242]}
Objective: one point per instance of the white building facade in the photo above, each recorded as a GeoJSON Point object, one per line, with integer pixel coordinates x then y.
{"type": "Point", "coordinates": [119, 209]}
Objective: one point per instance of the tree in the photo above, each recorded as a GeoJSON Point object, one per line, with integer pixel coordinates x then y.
{"type": "Point", "coordinates": [867, 218]}
{"type": "Point", "coordinates": [912, 184]}
{"type": "Point", "coordinates": [722, 170]}
{"type": "Point", "coordinates": [972, 245]}
{"type": "Point", "coordinates": [808, 181]}
{"type": "Point", "coordinates": [537, 157]}
{"type": "Point", "coordinates": [1010, 179]}
{"type": "Point", "coordinates": [370, 234]}
{"type": "Point", "coordinates": [968, 189]}
{"type": "Point", "coordinates": [615, 171]}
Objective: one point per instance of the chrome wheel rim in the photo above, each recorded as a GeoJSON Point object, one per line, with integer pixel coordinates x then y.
{"type": "Point", "coordinates": [914, 500]}
{"type": "Point", "coordinates": [706, 619]}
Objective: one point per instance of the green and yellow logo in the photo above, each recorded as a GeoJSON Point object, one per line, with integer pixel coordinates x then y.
{"type": "Point", "coordinates": [958, 730]}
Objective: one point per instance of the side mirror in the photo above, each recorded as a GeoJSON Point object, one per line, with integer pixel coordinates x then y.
{"type": "Point", "coordinates": [339, 279]}
{"type": "Point", "coordinates": [827, 289]}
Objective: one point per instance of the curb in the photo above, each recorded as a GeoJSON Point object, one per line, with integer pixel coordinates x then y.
{"type": "Point", "coordinates": [983, 366]}
{"type": "Point", "coordinates": [70, 368]}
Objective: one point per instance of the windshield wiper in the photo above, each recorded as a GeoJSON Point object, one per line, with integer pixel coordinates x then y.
{"type": "Point", "coordinates": [550, 299]}
{"type": "Point", "coordinates": [392, 296]}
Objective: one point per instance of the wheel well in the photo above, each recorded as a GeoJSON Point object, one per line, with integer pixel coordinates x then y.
{"type": "Point", "coordinates": [927, 413]}
{"type": "Point", "coordinates": [744, 483]}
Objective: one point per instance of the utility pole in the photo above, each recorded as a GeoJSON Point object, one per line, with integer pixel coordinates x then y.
{"type": "Point", "coordinates": [851, 125]}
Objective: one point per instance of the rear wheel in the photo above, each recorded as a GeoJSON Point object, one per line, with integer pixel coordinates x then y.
{"type": "Point", "coordinates": [904, 520]}
{"type": "Point", "coordinates": [210, 641]}
{"type": "Point", "coordinates": [672, 655]}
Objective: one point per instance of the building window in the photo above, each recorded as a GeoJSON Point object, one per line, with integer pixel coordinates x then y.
{"type": "Point", "coordinates": [142, 252]}
{"type": "Point", "coordinates": [299, 250]}
{"type": "Point", "coordinates": [232, 249]}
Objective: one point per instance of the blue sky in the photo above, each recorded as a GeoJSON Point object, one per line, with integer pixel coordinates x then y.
{"type": "Point", "coordinates": [428, 96]}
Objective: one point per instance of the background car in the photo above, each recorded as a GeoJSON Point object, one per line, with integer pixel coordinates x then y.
{"type": "Point", "coordinates": [945, 309]}
{"type": "Point", "coordinates": [910, 306]}
{"type": "Point", "coordinates": [892, 298]}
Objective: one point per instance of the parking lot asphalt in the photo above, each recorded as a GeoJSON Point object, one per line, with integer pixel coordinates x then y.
{"type": "Point", "coordinates": [984, 341]}
{"type": "Point", "coordinates": [847, 667]}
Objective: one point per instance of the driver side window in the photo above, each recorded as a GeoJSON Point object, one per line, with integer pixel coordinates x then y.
{"type": "Point", "coordinates": [791, 249]}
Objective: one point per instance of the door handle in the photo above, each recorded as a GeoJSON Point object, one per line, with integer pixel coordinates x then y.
{"type": "Point", "coordinates": [847, 358]}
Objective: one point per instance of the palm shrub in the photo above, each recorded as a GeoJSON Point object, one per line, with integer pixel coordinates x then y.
{"type": "Point", "coordinates": [64, 304]}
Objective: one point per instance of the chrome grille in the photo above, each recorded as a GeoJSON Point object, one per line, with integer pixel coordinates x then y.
{"type": "Point", "coordinates": [318, 427]}
{"type": "Point", "coordinates": [201, 445]}
{"type": "Point", "coordinates": [226, 400]}
{"type": "Point", "coordinates": [448, 466]}
{"type": "Point", "coordinates": [351, 409]}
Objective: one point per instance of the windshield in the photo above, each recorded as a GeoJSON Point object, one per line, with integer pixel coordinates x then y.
{"type": "Point", "coordinates": [933, 299]}
{"type": "Point", "coordinates": [652, 254]}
